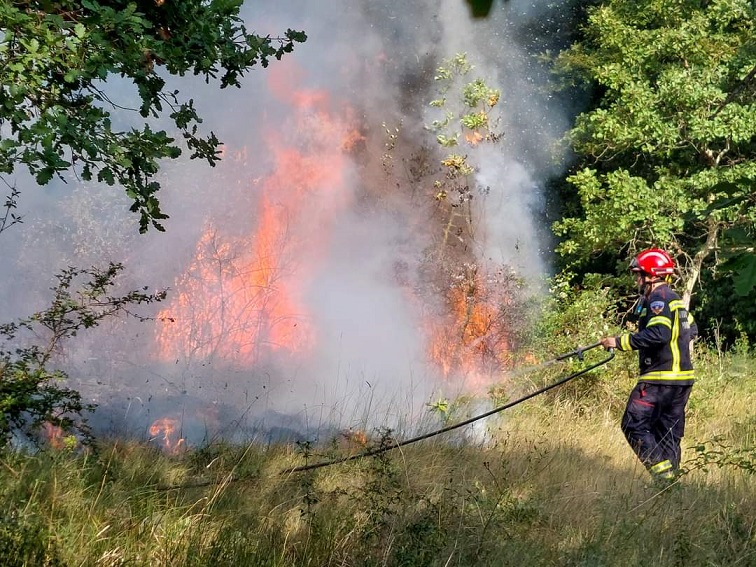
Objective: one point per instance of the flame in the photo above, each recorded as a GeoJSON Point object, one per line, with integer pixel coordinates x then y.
{"type": "Point", "coordinates": [166, 432]}
{"type": "Point", "coordinates": [240, 299]}
{"type": "Point", "coordinates": [54, 435]}
{"type": "Point", "coordinates": [354, 438]}
{"type": "Point", "coordinates": [470, 340]}
{"type": "Point", "coordinates": [473, 137]}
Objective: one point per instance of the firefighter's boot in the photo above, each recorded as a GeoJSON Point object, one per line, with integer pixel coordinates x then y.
{"type": "Point", "coordinates": [663, 473]}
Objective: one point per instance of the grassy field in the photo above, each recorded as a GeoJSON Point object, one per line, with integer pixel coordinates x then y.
{"type": "Point", "coordinates": [553, 483]}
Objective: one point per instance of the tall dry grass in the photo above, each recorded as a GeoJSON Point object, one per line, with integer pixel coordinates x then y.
{"type": "Point", "coordinates": [553, 483]}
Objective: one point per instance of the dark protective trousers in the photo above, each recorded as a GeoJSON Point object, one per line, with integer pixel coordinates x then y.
{"type": "Point", "coordinates": [654, 422]}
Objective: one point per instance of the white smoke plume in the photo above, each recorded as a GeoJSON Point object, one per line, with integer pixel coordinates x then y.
{"type": "Point", "coordinates": [368, 65]}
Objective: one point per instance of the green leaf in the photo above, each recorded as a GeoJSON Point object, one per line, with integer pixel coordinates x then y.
{"type": "Point", "coordinates": [44, 176]}
{"type": "Point", "coordinates": [668, 136]}
{"type": "Point", "coordinates": [744, 275]}
{"type": "Point", "coordinates": [51, 99]}
{"type": "Point", "coordinates": [106, 175]}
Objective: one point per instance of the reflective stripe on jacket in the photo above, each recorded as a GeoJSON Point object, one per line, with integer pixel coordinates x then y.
{"type": "Point", "coordinates": [665, 330]}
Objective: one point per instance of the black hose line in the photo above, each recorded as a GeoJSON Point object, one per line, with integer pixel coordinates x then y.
{"type": "Point", "coordinates": [396, 444]}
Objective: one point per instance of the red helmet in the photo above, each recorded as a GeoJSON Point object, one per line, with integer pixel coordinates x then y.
{"type": "Point", "coordinates": [654, 261]}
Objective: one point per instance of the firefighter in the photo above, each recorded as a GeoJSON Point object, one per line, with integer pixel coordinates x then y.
{"type": "Point", "coordinates": [654, 418]}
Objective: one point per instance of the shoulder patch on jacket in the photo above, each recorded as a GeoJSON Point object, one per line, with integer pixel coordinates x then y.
{"type": "Point", "coordinates": [657, 307]}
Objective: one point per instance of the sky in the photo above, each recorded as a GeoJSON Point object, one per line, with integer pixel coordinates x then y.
{"type": "Point", "coordinates": [309, 272]}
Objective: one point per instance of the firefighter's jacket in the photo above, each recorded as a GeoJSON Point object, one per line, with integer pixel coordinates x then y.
{"type": "Point", "coordinates": [665, 330]}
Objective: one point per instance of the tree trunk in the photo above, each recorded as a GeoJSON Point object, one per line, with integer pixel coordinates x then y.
{"type": "Point", "coordinates": [694, 271]}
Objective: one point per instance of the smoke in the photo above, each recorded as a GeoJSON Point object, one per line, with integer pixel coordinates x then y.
{"type": "Point", "coordinates": [352, 105]}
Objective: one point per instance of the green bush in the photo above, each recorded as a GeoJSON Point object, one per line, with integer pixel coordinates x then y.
{"type": "Point", "coordinates": [24, 542]}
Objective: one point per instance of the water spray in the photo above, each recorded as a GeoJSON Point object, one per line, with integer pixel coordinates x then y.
{"type": "Point", "coordinates": [577, 353]}
{"type": "Point", "coordinates": [385, 447]}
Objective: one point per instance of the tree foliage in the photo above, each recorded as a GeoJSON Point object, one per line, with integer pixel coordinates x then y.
{"type": "Point", "coordinates": [667, 154]}
{"type": "Point", "coordinates": [55, 60]}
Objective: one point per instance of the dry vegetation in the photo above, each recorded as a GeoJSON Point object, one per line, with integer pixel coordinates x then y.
{"type": "Point", "coordinates": [554, 484]}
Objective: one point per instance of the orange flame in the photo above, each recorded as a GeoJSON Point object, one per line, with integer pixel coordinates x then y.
{"type": "Point", "coordinates": [54, 435]}
{"type": "Point", "coordinates": [165, 431]}
{"type": "Point", "coordinates": [473, 137]}
{"type": "Point", "coordinates": [469, 340]}
{"type": "Point", "coordinates": [241, 299]}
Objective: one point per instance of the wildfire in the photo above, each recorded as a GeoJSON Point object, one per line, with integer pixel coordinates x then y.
{"type": "Point", "coordinates": [243, 298]}
{"type": "Point", "coordinates": [473, 137]}
{"type": "Point", "coordinates": [240, 299]}
{"type": "Point", "coordinates": [54, 435]}
{"type": "Point", "coordinates": [469, 341]}
{"type": "Point", "coordinates": [166, 432]}
{"type": "Point", "coordinates": [354, 439]}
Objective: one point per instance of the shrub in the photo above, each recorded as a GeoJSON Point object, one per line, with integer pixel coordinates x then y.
{"type": "Point", "coordinates": [31, 393]}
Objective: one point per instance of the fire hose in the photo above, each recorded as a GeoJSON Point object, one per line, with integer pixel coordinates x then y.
{"type": "Point", "coordinates": [578, 352]}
